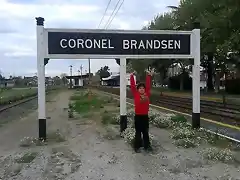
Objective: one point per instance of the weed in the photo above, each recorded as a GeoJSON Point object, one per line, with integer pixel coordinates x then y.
{"type": "Point", "coordinates": [27, 157]}
{"type": "Point", "coordinates": [107, 118]}
{"type": "Point", "coordinates": [182, 132]}
{"type": "Point", "coordinates": [111, 133]}
{"type": "Point", "coordinates": [56, 137]}
{"type": "Point", "coordinates": [178, 119]}
{"type": "Point", "coordinates": [70, 106]}
{"type": "Point", "coordinates": [30, 141]}
{"type": "Point", "coordinates": [87, 115]}
{"type": "Point", "coordinates": [186, 142]}
{"type": "Point", "coordinates": [82, 103]}
{"type": "Point", "coordinates": [216, 154]}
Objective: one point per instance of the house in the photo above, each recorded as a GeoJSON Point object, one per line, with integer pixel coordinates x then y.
{"type": "Point", "coordinates": [176, 70]}
{"type": "Point", "coordinates": [114, 80]}
{"type": "Point", "coordinates": [49, 81]}
{"type": "Point", "coordinates": [203, 80]}
{"type": "Point", "coordinates": [78, 81]}
{"type": "Point", "coordinates": [30, 81]}
{"type": "Point", "coordinates": [7, 83]}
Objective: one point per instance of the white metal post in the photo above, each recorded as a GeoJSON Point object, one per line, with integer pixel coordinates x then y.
{"type": "Point", "coordinates": [196, 77]}
{"type": "Point", "coordinates": [123, 89]}
{"type": "Point", "coordinates": [41, 79]}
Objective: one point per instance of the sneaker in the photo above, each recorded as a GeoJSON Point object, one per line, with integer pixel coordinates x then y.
{"type": "Point", "coordinates": [149, 149]}
{"type": "Point", "coordinates": [137, 150]}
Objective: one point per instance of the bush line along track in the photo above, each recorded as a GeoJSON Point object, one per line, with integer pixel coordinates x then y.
{"type": "Point", "coordinates": [19, 102]}
{"type": "Point", "coordinates": [229, 114]}
{"type": "Point", "coordinates": [232, 135]}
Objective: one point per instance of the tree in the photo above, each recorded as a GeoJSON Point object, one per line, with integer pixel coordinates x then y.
{"type": "Point", "coordinates": [1, 76]}
{"type": "Point", "coordinates": [57, 80]}
{"type": "Point", "coordinates": [219, 31]}
{"type": "Point", "coordinates": [64, 79]}
{"type": "Point", "coordinates": [103, 72]}
{"type": "Point", "coordinates": [19, 81]}
{"type": "Point", "coordinates": [163, 22]}
{"type": "Point", "coordinates": [139, 65]}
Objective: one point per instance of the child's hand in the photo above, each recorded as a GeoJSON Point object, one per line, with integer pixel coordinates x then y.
{"type": "Point", "coordinates": [150, 71]}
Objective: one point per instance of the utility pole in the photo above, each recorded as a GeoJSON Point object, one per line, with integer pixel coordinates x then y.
{"type": "Point", "coordinates": [70, 76]}
{"type": "Point", "coordinates": [89, 79]}
{"type": "Point", "coordinates": [89, 71]}
{"type": "Point", "coordinates": [81, 68]}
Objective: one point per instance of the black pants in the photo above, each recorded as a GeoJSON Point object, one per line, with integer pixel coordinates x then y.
{"type": "Point", "coordinates": [142, 129]}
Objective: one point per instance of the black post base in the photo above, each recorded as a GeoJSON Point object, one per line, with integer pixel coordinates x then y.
{"type": "Point", "coordinates": [42, 129]}
{"type": "Point", "coordinates": [196, 120]}
{"type": "Point", "coordinates": [123, 122]}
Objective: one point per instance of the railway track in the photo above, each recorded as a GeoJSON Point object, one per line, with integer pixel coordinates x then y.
{"type": "Point", "coordinates": [22, 101]}
{"type": "Point", "coordinates": [217, 111]}
{"type": "Point", "coordinates": [16, 103]}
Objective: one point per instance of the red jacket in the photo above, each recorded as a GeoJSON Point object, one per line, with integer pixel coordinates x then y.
{"type": "Point", "coordinates": [141, 108]}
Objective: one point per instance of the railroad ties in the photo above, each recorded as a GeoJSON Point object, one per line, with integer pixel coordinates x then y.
{"type": "Point", "coordinates": [217, 111]}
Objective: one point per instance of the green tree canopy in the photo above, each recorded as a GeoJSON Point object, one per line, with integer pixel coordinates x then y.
{"type": "Point", "coordinates": [103, 72]}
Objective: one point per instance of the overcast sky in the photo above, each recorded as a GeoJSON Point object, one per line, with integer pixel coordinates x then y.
{"type": "Point", "coordinates": [18, 36]}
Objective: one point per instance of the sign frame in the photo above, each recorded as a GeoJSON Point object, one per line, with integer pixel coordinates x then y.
{"type": "Point", "coordinates": [104, 56]}
{"type": "Point", "coordinates": [43, 57]}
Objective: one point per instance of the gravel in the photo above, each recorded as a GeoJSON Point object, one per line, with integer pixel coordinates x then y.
{"type": "Point", "coordinates": [86, 154]}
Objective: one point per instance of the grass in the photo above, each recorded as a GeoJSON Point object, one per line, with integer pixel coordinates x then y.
{"type": "Point", "coordinates": [30, 141]}
{"type": "Point", "coordinates": [55, 136]}
{"type": "Point", "coordinates": [181, 132]}
{"type": "Point", "coordinates": [178, 118]}
{"type": "Point", "coordinates": [87, 115]}
{"type": "Point", "coordinates": [27, 157]}
{"type": "Point", "coordinates": [107, 118]}
{"type": "Point", "coordinates": [82, 103]}
{"type": "Point", "coordinates": [7, 95]}
{"type": "Point", "coordinates": [87, 104]}
{"type": "Point", "coordinates": [111, 133]}
{"type": "Point", "coordinates": [216, 154]}
{"type": "Point", "coordinates": [183, 136]}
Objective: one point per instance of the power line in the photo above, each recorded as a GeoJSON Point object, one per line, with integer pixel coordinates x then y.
{"type": "Point", "coordinates": [113, 15]}
{"type": "Point", "coordinates": [109, 2]}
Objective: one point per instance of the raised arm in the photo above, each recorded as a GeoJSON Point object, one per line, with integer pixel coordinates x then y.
{"type": "Point", "coordinates": [148, 84]}
{"type": "Point", "coordinates": [132, 84]}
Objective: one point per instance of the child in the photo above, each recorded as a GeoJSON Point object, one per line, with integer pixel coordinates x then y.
{"type": "Point", "coordinates": [141, 95]}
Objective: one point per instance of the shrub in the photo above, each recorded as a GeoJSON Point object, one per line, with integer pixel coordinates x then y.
{"type": "Point", "coordinates": [216, 154]}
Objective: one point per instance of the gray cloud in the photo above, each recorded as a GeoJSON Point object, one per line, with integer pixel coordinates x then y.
{"type": "Point", "coordinates": [18, 41]}
{"type": "Point", "coordinates": [7, 26]}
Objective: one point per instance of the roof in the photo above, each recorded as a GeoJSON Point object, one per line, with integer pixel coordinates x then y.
{"type": "Point", "coordinates": [112, 77]}
{"type": "Point", "coordinates": [203, 77]}
{"type": "Point", "coordinates": [3, 81]}
{"type": "Point", "coordinates": [84, 76]}
{"type": "Point", "coordinates": [116, 76]}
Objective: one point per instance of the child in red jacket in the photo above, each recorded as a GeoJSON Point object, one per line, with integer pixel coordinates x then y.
{"type": "Point", "coordinates": [141, 95]}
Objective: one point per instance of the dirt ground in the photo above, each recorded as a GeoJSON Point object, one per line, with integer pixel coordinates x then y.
{"type": "Point", "coordinates": [87, 155]}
